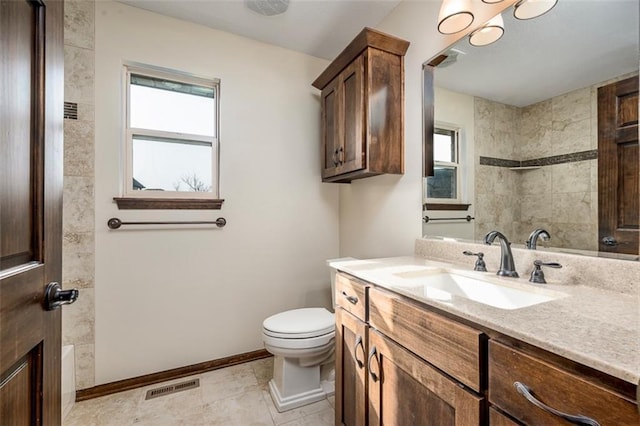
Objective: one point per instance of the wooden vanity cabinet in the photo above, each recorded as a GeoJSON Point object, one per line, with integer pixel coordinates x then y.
{"type": "Point", "coordinates": [362, 103]}
{"type": "Point", "coordinates": [401, 363]}
{"type": "Point", "coordinates": [379, 378]}
{"type": "Point", "coordinates": [553, 386]}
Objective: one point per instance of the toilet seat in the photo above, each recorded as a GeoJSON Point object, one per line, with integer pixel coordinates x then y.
{"type": "Point", "coordinates": [305, 323]}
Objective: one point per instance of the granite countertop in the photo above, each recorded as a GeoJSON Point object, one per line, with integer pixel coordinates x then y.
{"type": "Point", "coordinates": [592, 326]}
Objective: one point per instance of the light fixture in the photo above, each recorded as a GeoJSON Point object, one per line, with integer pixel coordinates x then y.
{"type": "Point", "coordinates": [527, 9]}
{"type": "Point", "coordinates": [455, 16]}
{"type": "Point", "coordinates": [268, 7]}
{"type": "Point", "coordinates": [492, 1]}
{"type": "Point", "coordinates": [488, 33]}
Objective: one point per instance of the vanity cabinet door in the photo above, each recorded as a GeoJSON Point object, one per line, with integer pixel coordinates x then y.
{"type": "Point", "coordinates": [553, 387]}
{"type": "Point", "coordinates": [351, 370]}
{"type": "Point", "coordinates": [331, 141]}
{"type": "Point", "coordinates": [351, 155]}
{"type": "Point", "coordinates": [343, 116]}
{"type": "Point", "coordinates": [405, 390]}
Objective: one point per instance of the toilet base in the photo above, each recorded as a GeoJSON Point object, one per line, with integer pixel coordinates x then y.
{"type": "Point", "coordinates": [294, 401]}
{"type": "Point", "coordinates": [294, 386]}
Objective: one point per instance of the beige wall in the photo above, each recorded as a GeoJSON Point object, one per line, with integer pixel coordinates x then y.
{"type": "Point", "coordinates": [173, 296]}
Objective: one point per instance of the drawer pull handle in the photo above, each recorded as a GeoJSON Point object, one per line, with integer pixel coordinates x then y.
{"type": "Point", "coordinates": [575, 419]}
{"type": "Point", "coordinates": [372, 355]}
{"type": "Point", "coordinates": [352, 299]}
{"type": "Point", "coordinates": [355, 351]}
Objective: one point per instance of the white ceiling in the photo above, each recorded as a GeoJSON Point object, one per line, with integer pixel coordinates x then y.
{"type": "Point", "coordinates": [577, 44]}
{"type": "Point", "coordinates": [319, 28]}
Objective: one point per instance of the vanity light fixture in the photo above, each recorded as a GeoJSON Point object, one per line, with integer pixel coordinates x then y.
{"type": "Point", "coordinates": [488, 33]}
{"type": "Point", "coordinates": [528, 9]}
{"type": "Point", "coordinates": [455, 16]}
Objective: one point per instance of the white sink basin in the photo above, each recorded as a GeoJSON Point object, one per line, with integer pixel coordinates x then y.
{"type": "Point", "coordinates": [442, 286]}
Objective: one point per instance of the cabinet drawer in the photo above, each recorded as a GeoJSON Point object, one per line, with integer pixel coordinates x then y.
{"type": "Point", "coordinates": [351, 296]}
{"type": "Point", "coordinates": [554, 387]}
{"type": "Point", "coordinates": [452, 347]}
{"type": "Point", "coordinates": [498, 419]}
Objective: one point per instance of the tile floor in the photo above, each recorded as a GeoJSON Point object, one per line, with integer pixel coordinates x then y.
{"type": "Point", "coordinates": [236, 395]}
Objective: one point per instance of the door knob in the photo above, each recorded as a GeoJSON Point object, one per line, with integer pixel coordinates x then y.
{"type": "Point", "coordinates": [609, 241]}
{"type": "Point", "coordinates": [55, 296]}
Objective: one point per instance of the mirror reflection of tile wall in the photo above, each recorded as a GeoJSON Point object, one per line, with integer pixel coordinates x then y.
{"type": "Point", "coordinates": [561, 195]}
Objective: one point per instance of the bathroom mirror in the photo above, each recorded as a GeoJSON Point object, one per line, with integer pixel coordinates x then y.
{"type": "Point", "coordinates": [516, 127]}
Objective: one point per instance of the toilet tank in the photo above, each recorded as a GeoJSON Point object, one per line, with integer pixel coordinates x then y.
{"type": "Point", "coordinates": [332, 272]}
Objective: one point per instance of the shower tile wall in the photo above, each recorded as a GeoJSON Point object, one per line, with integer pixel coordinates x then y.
{"type": "Point", "coordinates": [78, 248]}
{"type": "Point", "coordinates": [496, 135]}
{"type": "Point", "coordinates": [561, 198]}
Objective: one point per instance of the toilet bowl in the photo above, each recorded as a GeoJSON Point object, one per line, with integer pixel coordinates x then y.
{"type": "Point", "coordinates": [303, 344]}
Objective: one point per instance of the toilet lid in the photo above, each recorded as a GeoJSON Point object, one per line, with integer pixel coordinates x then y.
{"type": "Point", "coordinates": [299, 323]}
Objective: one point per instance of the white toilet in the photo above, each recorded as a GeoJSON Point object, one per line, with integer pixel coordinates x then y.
{"type": "Point", "coordinates": [303, 344]}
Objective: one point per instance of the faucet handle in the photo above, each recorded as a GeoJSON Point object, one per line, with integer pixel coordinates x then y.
{"type": "Point", "coordinates": [537, 276]}
{"type": "Point", "coordinates": [480, 265]}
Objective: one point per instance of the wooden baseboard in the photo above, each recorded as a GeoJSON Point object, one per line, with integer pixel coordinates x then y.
{"type": "Point", "coordinates": [176, 373]}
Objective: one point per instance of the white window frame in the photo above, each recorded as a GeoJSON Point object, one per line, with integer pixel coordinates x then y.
{"type": "Point", "coordinates": [129, 133]}
{"type": "Point", "coordinates": [457, 165]}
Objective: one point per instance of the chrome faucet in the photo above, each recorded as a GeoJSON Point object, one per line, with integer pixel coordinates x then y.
{"type": "Point", "coordinates": [533, 238]}
{"type": "Point", "coordinates": [507, 266]}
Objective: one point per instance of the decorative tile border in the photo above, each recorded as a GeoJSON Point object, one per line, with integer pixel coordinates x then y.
{"type": "Point", "coordinates": [498, 162]}
{"type": "Point", "coordinates": [544, 161]}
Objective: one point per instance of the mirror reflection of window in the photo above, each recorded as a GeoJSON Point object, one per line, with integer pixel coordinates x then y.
{"type": "Point", "coordinates": [171, 133]}
{"type": "Point", "coordinates": [444, 185]}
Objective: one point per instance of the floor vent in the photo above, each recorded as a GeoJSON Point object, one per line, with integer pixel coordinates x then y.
{"type": "Point", "coordinates": [169, 389]}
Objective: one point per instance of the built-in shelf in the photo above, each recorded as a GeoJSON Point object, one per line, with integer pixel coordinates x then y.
{"type": "Point", "coordinates": [524, 168]}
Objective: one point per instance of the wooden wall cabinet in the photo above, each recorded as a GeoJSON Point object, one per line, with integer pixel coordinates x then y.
{"type": "Point", "coordinates": [362, 103]}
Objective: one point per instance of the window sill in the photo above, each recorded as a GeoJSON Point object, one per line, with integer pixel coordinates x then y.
{"type": "Point", "coordinates": [136, 203]}
{"type": "Point", "coordinates": [445, 206]}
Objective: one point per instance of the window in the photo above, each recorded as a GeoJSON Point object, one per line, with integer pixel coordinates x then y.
{"type": "Point", "coordinates": [444, 185]}
{"type": "Point", "coordinates": [171, 136]}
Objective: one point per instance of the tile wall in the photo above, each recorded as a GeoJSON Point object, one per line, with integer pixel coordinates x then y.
{"type": "Point", "coordinates": [78, 248]}
{"type": "Point", "coordinates": [561, 198]}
